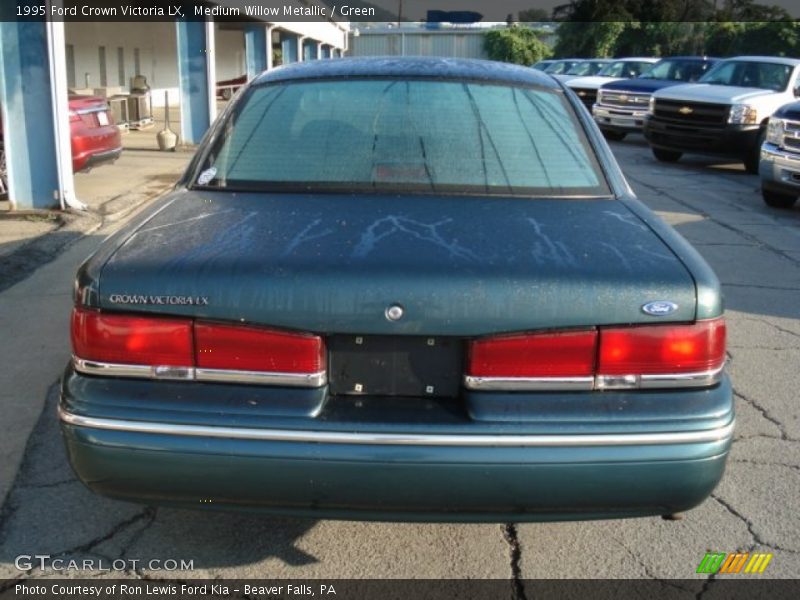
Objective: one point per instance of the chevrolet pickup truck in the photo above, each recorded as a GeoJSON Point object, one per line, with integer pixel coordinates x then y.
{"type": "Point", "coordinates": [624, 68]}
{"type": "Point", "coordinates": [622, 105]}
{"type": "Point", "coordinates": [780, 158]}
{"type": "Point", "coordinates": [725, 113]}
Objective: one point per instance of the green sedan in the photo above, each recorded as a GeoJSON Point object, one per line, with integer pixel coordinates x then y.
{"type": "Point", "coordinates": [407, 289]}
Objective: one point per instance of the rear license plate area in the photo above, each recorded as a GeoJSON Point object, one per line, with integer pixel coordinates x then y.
{"type": "Point", "coordinates": [378, 365]}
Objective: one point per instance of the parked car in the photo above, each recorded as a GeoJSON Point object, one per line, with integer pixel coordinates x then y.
{"type": "Point", "coordinates": [780, 158]}
{"type": "Point", "coordinates": [95, 138]}
{"type": "Point", "coordinates": [542, 64]}
{"type": "Point", "coordinates": [622, 105]}
{"type": "Point", "coordinates": [561, 66]}
{"type": "Point", "coordinates": [227, 88]}
{"type": "Point", "coordinates": [584, 68]}
{"type": "Point", "coordinates": [625, 68]}
{"type": "Point", "coordinates": [725, 113]}
{"type": "Point", "coordinates": [414, 289]}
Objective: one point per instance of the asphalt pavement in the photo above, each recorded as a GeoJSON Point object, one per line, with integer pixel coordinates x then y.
{"type": "Point", "coordinates": [754, 249]}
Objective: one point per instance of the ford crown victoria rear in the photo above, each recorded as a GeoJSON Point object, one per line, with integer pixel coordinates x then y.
{"type": "Point", "coordinates": [412, 289]}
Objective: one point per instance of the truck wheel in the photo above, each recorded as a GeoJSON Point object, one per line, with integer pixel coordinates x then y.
{"type": "Point", "coordinates": [751, 160]}
{"type": "Point", "coordinates": [778, 200]}
{"type": "Point", "coordinates": [614, 136]}
{"type": "Point", "coordinates": [669, 156]}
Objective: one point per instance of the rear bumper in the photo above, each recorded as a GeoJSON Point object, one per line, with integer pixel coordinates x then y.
{"type": "Point", "coordinates": [732, 140]}
{"type": "Point", "coordinates": [618, 119]}
{"type": "Point", "coordinates": [93, 147]}
{"type": "Point", "coordinates": [779, 170]}
{"type": "Point", "coordinates": [99, 158]}
{"type": "Point", "coordinates": [546, 470]}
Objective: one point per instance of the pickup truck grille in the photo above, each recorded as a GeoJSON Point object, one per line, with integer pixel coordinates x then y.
{"type": "Point", "coordinates": [791, 136]}
{"type": "Point", "coordinates": [624, 99]}
{"type": "Point", "coordinates": [587, 96]}
{"type": "Point", "coordinates": [692, 113]}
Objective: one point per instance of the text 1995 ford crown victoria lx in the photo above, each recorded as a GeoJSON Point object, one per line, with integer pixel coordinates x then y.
{"type": "Point", "coordinates": [413, 289]}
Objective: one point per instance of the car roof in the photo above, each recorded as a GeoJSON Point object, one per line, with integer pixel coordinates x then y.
{"type": "Point", "coordinates": [636, 59]}
{"type": "Point", "coordinates": [459, 69]}
{"type": "Point", "coordinates": [773, 59]}
{"type": "Point", "coordinates": [695, 57]}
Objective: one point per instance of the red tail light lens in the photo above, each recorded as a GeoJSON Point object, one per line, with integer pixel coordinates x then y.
{"type": "Point", "coordinates": [132, 340]}
{"type": "Point", "coordinates": [243, 348]}
{"type": "Point", "coordinates": [660, 349]}
{"type": "Point", "coordinates": [647, 356]}
{"type": "Point", "coordinates": [567, 354]}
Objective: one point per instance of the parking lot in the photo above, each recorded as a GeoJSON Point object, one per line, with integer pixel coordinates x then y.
{"type": "Point", "coordinates": [755, 251]}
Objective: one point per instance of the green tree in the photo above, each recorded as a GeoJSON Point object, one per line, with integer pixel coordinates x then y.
{"type": "Point", "coordinates": [588, 39]}
{"type": "Point", "coordinates": [520, 45]}
{"type": "Point", "coordinates": [726, 38]}
{"type": "Point", "coordinates": [533, 15]}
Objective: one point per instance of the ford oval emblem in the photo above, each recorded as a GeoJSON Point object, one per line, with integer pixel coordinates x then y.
{"type": "Point", "coordinates": [660, 308]}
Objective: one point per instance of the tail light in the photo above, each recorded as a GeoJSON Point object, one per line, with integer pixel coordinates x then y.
{"type": "Point", "coordinates": [650, 356]}
{"type": "Point", "coordinates": [659, 349]}
{"type": "Point", "coordinates": [543, 355]}
{"type": "Point", "coordinates": [180, 348]}
{"type": "Point", "coordinates": [132, 340]}
{"type": "Point", "coordinates": [252, 349]}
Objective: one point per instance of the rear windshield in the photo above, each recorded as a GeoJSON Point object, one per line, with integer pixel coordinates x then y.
{"type": "Point", "coordinates": [404, 135]}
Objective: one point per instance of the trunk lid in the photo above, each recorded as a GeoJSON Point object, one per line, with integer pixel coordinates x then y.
{"type": "Point", "coordinates": [459, 266]}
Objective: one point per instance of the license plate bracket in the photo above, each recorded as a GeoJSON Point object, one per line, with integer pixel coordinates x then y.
{"type": "Point", "coordinates": [378, 365]}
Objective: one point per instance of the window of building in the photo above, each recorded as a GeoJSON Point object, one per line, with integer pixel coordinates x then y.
{"type": "Point", "coordinates": [70, 65]}
{"type": "Point", "coordinates": [101, 52]}
{"type": "Point", "coordinates": [121, 66]}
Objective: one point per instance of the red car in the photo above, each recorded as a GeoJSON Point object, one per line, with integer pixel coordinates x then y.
{"type": "Point", "coordinates": [95, 137]}
{"type": "Point", "coordinates": [226, 89]}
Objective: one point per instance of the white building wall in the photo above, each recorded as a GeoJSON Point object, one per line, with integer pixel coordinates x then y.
{"type": "Point", "coordinates": [157, 55]}
{"type": "Point", "coordinates": [156, 44]}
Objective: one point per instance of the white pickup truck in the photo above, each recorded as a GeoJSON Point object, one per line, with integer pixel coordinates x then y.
{"type": "Point", "coordinates": [622, 68]}
{"type": "Point", "coordinates": [725, 113]}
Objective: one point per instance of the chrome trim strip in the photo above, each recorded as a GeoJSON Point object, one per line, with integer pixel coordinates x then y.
{"type": "Point", "coordinates": [91, 367]}
{"type": "Point", "coordinates": [529, 384]}
{"type": "Point", "coordinates": [402, 439]}
{"type": "Point", "coordinates": [598, 382]}
{"type": "Point", "coordinates": [679, 380]}
{"type": "Point", "coordinates": [774, 152]}
{"type": "Point", "coordinates": [285, 379]}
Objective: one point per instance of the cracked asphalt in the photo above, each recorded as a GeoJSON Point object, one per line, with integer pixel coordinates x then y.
{"type": "Point", "coordinates": [755, 251]}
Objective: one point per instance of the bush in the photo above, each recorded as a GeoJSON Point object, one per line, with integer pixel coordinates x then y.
{"type": "Point", "coordinates": [519, 45]}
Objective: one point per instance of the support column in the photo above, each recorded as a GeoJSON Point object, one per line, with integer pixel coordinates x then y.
{"type": "Point", "coordinates": [197, 74]}
{"type": "Point", "coordinates": [290, 48]}
{"type": "Point", "coordinates": [268, 48]}
{"type": "Point", "coordinates": [319, 51]}
{"type": "Point", "coordinates": [309, 50]}
{"type": "Point", "coordinates": [255, 49]}
{"type": "Point", "coordinates": [35, 113]}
